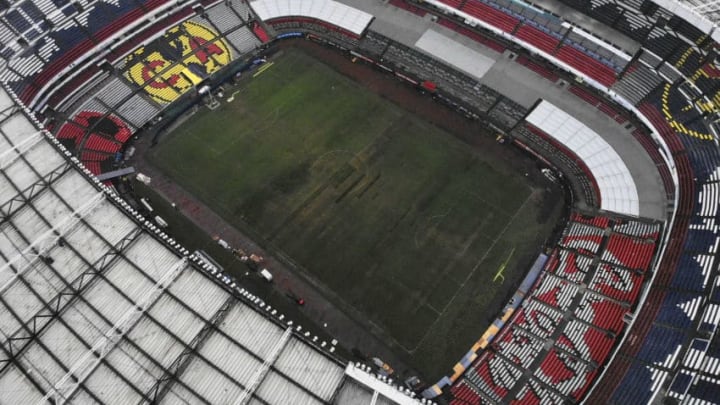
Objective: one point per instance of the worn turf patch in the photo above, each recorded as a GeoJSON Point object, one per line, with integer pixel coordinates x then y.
{"type": "Point", "coordinates": [400, 219]}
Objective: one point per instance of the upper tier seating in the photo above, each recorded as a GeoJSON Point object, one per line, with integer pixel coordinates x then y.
{"type": "Point", "coordinates": [409, 7]}
{"type": "Point", "coordinates": [637, 82]}
{"type": "Point", "coordinates": [536, 393]}
{"type": "Point", "coordinates": [586, 64]}
{"type": "Point", "coordinates": [572, 265]}
{"type": "Point", "coordinates": [617, 283]}
{"type": "Point", "coordinates": [629, 252]}
{"type": "Point", "coordinates": [543, 33]}
{"type": "Point", "coordinates": [568, 375]}
{"type": "Point", "coordinates": [683, 281]}
{"type": "Point", "coordinates": [493, 376]}
{"type": "Point", "coordinates": [472, 34]}
{"type": "Point", "coordinates": [72, 36]}
{"type": "Point", "coordinates": [491, 15]}
{"type": "Point", "coordinates": [538, 38]}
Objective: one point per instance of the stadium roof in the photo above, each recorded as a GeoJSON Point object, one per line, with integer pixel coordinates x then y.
{"type": "Point", "coordinates": [708, 9]}
{"type": "Point", "coordinates": [349, 18]}
{"type": "Point", "coordinates": [705, 15]}
{"type": "Point", "coordinates": [96, 304]}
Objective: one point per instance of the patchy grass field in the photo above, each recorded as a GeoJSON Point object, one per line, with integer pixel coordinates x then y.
{"type": "Point", "coordinates": [402, 220]}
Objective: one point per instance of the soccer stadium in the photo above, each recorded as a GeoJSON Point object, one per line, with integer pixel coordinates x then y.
{"type": "Point", "coordinates": [359, 201]}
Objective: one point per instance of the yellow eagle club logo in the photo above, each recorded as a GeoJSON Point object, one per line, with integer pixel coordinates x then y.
{"type": "Point", "coordinates": [172, 64]}
{"type": "Point", "coordinates": [673, 122]}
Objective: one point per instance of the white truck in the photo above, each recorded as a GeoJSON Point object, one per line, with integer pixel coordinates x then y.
{"type": "Point", "coordinates": [264, 273]}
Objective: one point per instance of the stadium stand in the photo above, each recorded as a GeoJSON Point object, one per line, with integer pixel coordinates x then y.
{"type": "Point", "coordinates": [638, 81]}
{"type": "Point", "coordinates": [374, 44]}
{"type": "Point", "coordinates": [93, 131]}
{"type": "Point", "coordinates": [491, 15]}
{"type": "Point", "coordinates": [686, 264]}
{"type": "Point", "coordinates": [616, 282]}
{"type": "Point", "coordinates": [130, 98]}
{"type": "Point", "coordinates": [598, 295]}
{"type": "Point", "coordinates": [540, 33]}
{"type": "Point", "coordinates": [582, 238]}
{"type": "Point", "coordinates": [537, 68]}
{"type": "Point", "coordinates": [75, 35]}
{"type": "Point", "coordinates": [571, 265]}
{"type": "Point", "coordinates": [493, 377]}
{"type": "Point", "coordinates": [556, 155]}
{"type": "Point", "coordinates": [540, 39]}
{"type": "Point", "coordinates": [456, 84]}
{"type": "Point", "coordinates": [635, 325]}
{"type": "Point", "coordinates": [97, 278]}
{"type": "Point", "coordinates": [336, 23]}
{"type": "Point", "coordinates": [617, 191]}
{"type": "Point", "coordinates": [474, 35]}
{"type": "Point", "coordinates": [586, 64]}
{"type": "Point", "coordinates": [87, 279]}
{"type": "Point", "coordinates": [409, 7]}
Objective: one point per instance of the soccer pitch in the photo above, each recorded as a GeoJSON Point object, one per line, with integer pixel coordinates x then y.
{"type": "Point", "coordinates": [403, 221]}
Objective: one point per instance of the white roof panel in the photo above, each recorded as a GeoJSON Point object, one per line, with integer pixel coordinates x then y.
{"type": "Point", "coordinates": [17, 389]}
{"type": "Point", "coordinates": [135, 366]}
{"type": "Point", "coordinates": [8, 323]}
{"type": "Point", "coordinates": [230, 358]}
{"type": "Point", "coordinates": [42, 161]}
{"type": "Point", "coordinates": [40, 362]}
{"type": "Point", "coordinates": [204, 298]}
{"type": "Point", "coordinates": [152, 257]}
{"type": "Point", "coordinates": [704, 14]}
{"type": "Point", "coordinates": [209, 383]}
{"type": "Point", "coordinates": [178, 319]}
{"type": "Point", "coordinates": [106, 299]}
{"type": "Point", "coordinates": [618, 192]}
{"type": "Point", "coordinates": [97, 383]}
{"type": "Point", "coordinates": [278, 390]}
{"type": "Point", "coordinates": [178, 394]}
{"type": "Point", "coordinates": [17, 128]}
{"type": "Point", "coordinates": [83, 397]}
{"type": "Point", "coordinates": [156, 342]}
{"type": "Point", "coordinates": [252, 330]}
{"type": "Point", "coordinates": [22, 301]}
{"type": "Point", "coordinates": [341, 15]}
{"type": "Point", "coordinates": [308, 367]}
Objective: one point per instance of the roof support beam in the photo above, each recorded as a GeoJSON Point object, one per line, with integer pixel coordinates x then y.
{"type": "Point", "coordinates": [29, 368]}
{"type": "Point", "coordinates": [162, 385]}
{"type": "Point", "coordinates": [8, 112]}
{"type": "Point", "coordinates": [57, 304]}
{"type": "Point", "coordinates": [24, 197]}
{"type": "Point", "coordinates": [10, 155]}
{"type": "Point", "coordinates": [71, 381]}
{"type": "Point", "coordinates": [709, 4]}
{"type": "Point", "coordinates": [52, 309]}
{"type": "Point", "coordinates": [43, 243]}
{"type": "Point", "coordinates": [48, 314]}
{"type": "Point", "coordinates": [261, 372]}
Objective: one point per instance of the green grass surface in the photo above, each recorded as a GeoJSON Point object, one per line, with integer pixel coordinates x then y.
{"type": "Point", "coordinates": [396, 216]}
